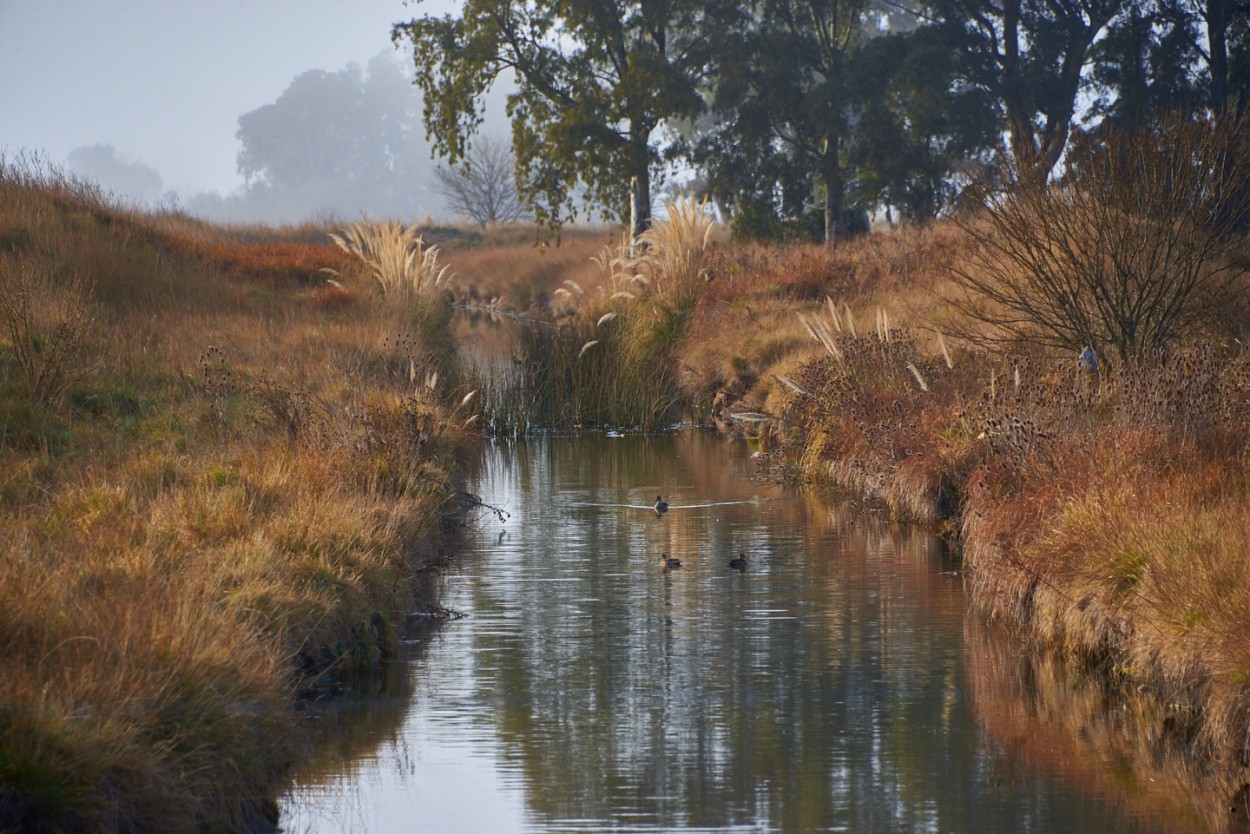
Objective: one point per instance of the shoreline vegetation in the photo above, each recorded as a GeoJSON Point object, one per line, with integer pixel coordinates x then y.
{"type": "Point", "coordinates": [226, 470]}
{"type": "Point", "coordinates": [224, 482]}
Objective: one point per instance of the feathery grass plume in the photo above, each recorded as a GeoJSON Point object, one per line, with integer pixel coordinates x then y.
{"type": "Point", "coordinates": [587, 347]}
{"type": "Point", "coordinates": [675, 244]}
{"type": "Point", "coordinates": [924, 386]}
{"type": "Point", "coordinates": [791, 384]}
{"type": "Point", "coordinates": [605, 318]}
{"type": "Point", "coordinates": [850, 320]}
{"type": "Point", "coordinates": [821, 333]}
{"type": "Point", "coordinates": [751, 417]}
{"type": "Point", "coordinates": [946, 354]}
{"type": "Point", "coordinates": [833, 313]}
{"type": "Point", "coordinates": [883, 325]}
{"type": "Point", "coordinates": [395, 254]}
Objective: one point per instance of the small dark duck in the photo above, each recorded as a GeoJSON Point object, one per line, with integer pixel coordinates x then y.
{"type": "Point", "coordinates": [739, 562]}
{"type": "Point", "coordinates": [669, 562]}
{"type": "Point", "coordinates": [661, 506]}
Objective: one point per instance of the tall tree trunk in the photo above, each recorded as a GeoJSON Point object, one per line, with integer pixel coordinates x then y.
{"type": "Point", "coordinates": [640, 178]}
{"type": "Point", "coordinates": [640, 202]}
{"type": "Point", "coordinates": [1217, 18]}
{"type": "Point", "coordinates": [831, 173]}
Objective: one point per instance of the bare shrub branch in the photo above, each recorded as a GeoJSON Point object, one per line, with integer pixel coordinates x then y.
{"type": "Point", "coordinates": [1126, 253]}
{"type": "Point", "coordinates": [483, 187]}
{"type": "Point", "coordinates": [48, 323]}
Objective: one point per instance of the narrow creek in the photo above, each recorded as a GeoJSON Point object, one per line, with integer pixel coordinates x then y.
{"type": "Point", "coordinates": [840, 683]}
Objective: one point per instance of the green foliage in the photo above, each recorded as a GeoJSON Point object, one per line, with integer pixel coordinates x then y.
{"type": "Point", "coordinates": [595, 80]}
{"type": "Point", "coordinates": [784, 108]}
{"type": "Point", "coordinates": [918, 128]}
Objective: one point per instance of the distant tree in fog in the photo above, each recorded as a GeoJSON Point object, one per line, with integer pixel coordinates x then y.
{"type": "Point", "coordinates": [483, 186]}
{"type": "Point", "coordinates": [348, 141]}
{"type": "Point", "coordinates": [128, 179]}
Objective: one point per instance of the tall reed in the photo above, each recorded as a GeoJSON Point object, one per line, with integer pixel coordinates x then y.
{"type": "Point", "coordinates": [396, 255]}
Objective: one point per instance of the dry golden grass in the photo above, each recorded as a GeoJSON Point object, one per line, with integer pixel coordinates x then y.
{"type": "Point", "coordinates": [265, 487]}
{"type": "Point", "coordinates": [396, 255]}
{"type": "Point", "coordinates": [233, 504]}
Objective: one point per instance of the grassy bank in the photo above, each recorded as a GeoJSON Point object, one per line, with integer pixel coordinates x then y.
{"type": "Point", "coordinates": [221, 478]}
{"type": "Point", "coordinates": [1102, 514]}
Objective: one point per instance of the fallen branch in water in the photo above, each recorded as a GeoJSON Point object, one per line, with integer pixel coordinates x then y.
{"type": "Point", "coordinates": [475, 501]}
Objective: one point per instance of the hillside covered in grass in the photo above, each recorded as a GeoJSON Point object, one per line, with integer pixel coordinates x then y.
{"type": "Point", "coordinates": [221, 478]}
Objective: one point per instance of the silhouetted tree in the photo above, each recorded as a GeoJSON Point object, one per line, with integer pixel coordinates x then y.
{"type": "Point", "coordinates": [917, 128]}
{"type": "Point", "coordinates": [1030, 55]}
{"type": "Point", "coordinates": [483, 186]}
{"type": "Point", "coordinates": [104, 165]}
{"type": "Point", "coordinates": [348, 140]}
{"type": "Point", "coordinates": [781, 95]}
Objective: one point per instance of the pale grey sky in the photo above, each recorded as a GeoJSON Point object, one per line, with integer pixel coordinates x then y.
{"type": "Point", "coordinates": [165, 81]}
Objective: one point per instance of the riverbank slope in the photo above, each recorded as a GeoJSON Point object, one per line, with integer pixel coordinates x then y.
{"type": "Point", "coordinates": [222, 478]}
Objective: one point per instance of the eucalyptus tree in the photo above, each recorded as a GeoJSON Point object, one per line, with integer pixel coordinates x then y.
{"type": "Point", "coordinates": [1147, 66]}
{"type": "Point", "coordinates": [781, 94]}
{"type": "Point", "coordinates": [1031, 56]}
{"type": "Point", "coordinates": [595, 81]}
{"type": "Point", "coordinates": [917, 128]}
{"type": "Point", "coordinates": [348, 140]}
{"type": "Point", "coordinates": [1219, 32]}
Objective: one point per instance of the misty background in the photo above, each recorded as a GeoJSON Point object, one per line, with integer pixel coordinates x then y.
{"type": "Point", "coordinates": [278, 111]}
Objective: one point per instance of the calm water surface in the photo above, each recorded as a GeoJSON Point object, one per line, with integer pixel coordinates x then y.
{"type": "Point", "coordinates": [830, 687]}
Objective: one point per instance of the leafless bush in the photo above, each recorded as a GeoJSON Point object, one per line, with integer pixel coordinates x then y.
{"type": "Point", "coordinates": [1126, 253]}
{"type": "Point", "coordinates": [484, 186]}
{"type": "Point", "coordinates": [48, 323]}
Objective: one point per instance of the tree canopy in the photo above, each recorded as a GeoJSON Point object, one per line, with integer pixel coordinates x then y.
{"type": "Point", "coordinates": [802, 117]}
{"type": "Point", "coordinates": [351, 137]}
{"type": "Point", "coordinates": [594, 83]}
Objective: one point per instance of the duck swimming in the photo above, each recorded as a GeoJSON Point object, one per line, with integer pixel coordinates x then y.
{"type": "Point", "coordinates": [739, 562]}
{"type": "Point", "coordinates": [661, 506]}
{"type": "Point", "coordinates": [669, 562]}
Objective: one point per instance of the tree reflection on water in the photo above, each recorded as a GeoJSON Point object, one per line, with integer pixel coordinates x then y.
{"type": "Point", "coordinates": [822, 689]}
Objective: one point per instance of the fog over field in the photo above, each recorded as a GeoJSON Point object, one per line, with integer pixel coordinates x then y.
{"type": "Point", "coordinates": [278, 110]}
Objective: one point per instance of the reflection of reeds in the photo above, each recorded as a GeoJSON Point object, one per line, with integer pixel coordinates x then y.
{"type": "Point", "coordinates": [1114, 744]}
